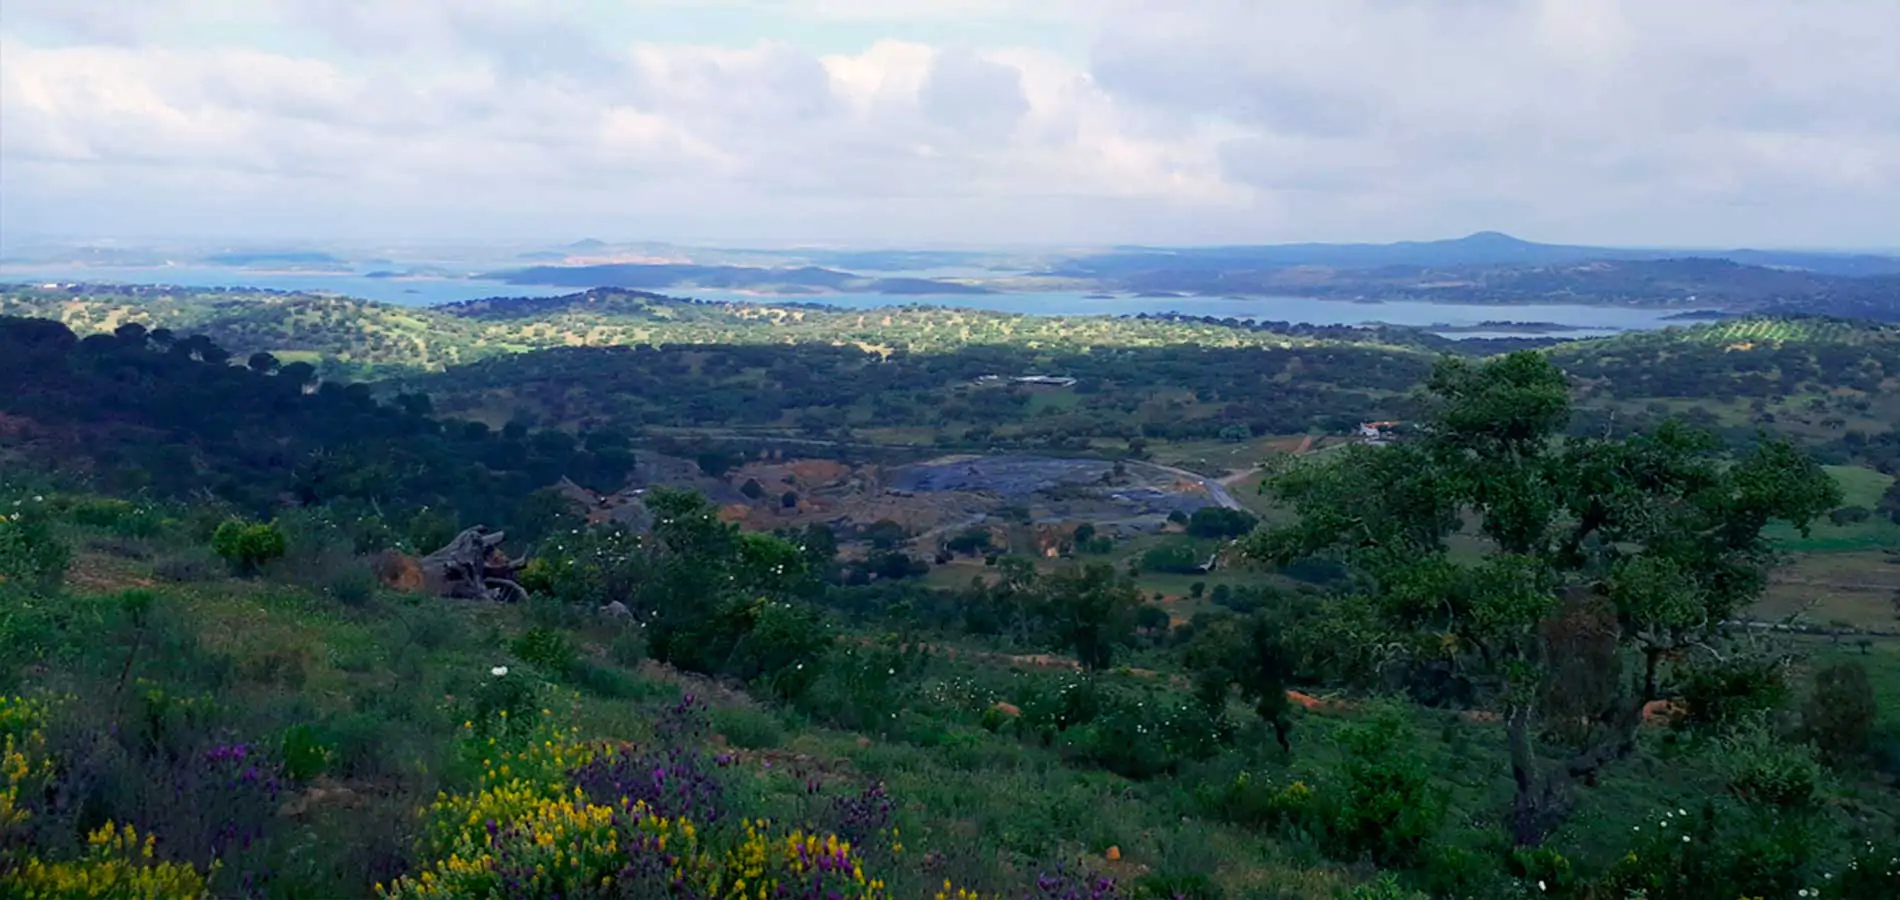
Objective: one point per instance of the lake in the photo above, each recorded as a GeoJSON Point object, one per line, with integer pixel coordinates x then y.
{"type": "Point", "coordinates": [1588, 321]}
{"type": "Point", "coordinates": [404, 291]}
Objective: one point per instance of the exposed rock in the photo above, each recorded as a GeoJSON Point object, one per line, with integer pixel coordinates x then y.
{"type": "Point", "coordinates": [616, 610]}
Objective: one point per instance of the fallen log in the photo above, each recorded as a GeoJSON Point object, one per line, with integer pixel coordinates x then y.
{"type": "Point", "coordinates": [472, 567]}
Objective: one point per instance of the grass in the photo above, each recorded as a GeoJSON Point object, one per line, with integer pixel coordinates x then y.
{"type": "Point", "coordinates": [1851, 588]}
{"type": "Point", "coordinates": [1860, 487]}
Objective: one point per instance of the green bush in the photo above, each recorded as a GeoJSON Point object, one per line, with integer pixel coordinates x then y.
{"type": "Point", "coordinates": [1768, 771]}
{"type": "Point", "coordinates": [546, 648]}
{"type": "Point", "coordinates": [1143, 736]}
{"type": "Point", "coordinates": [1179, 556]}
{"type": "Point", "coordinates": [1383, 804]}
{"type": "Point", "coordinates": [305, 756]}
{"type": "Point", "coordinates": [121, 517]}
{"type": "Point", "coordinates": [248, 546]}
{"type": "Point", "coordinates": [1716, 851]}
{"type": "Point", "coordinates": [1720, 695]}
{"type": "Point", "coordinates": [1839, 716]}
{"type": "Point", "coordinates": [352, 586]}
{"type": "Point", "coordinates": [591, 569]}
{"type": "Point", "coordinates": [601, 681]}
{"type": "Point", "coordinates": [628, 648]}
{"type": "Point", "coordinates": [504, 707]}
{"type": "Point", "coordinates": [748, 728]}
{"type": "Point", "coordinates": [32, 557]}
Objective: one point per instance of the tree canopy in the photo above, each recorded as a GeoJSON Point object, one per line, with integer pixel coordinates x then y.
{"type": "Point", "coordinates": [1639, 546]}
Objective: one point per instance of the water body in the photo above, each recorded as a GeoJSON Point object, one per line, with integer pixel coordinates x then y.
{"type": "Point", "coordinates": [1588, 321]}
{"type": "Point", "coordinates": [1584, 321]}
{"type": "Point", "coordinates": [404, 291]}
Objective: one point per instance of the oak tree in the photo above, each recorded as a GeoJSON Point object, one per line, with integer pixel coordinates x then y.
{"type": "Point", "coordinates": [1619, 551]}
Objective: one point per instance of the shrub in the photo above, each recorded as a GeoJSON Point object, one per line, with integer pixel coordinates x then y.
{"type": "Point", "coordinates": [187, 566]}
{"type": "Point", "coordinates": [591, 567]}
{"type": "Point", "coordinates": [1850, 515]}
{"type": "Point", "coordinates": [118, 863]}
{"type": "Point", "coordinates": [1146, 736]}
{"type": "Point", "coordinates": [748, 728]}
{"type": "Point", "coordinates": [1716, 852]}
{"type": "Point", "coordinates": [248, 546]}
{"type": "Point", "coordinates": [1721, 695]}
{"type": "Point", "coordinates": [557, 818]}
{"type": "Point", "coordinates": [305, 755]}
{"type": "Point", "coordinates": [502, 712]}
{"type": "Point", "coordinates": [1383, 805]}
{"type": "Point", "coordinates": [352, 586]}
{"type": "Point", "coordinates": [121, 517]}
{"type": "Point", "coordinates": [1766, 770]}
{"type": "Point", "coordinates": [1181, 557]}
{"type": "Point", "coordinates": [31, 555]}
{"type": "Point", "coordinates": [546, 648]}
{"type": "Point", "coordinates": [1839, 716]}
{"type": "Point", "coordinates": [628, 648]}
{"type": "Point", "coordinates": [1219, 522]}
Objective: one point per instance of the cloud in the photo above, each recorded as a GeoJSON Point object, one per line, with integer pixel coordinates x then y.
{"type": "Point", "coordinates": [1590, 110]}
{"type": "Point", "coordinates": [974, 95]}
{"type": "Point", "coordinates": [1676, 121]}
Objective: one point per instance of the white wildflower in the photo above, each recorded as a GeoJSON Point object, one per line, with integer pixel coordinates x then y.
{"type": "Point", "coordinates": [498, 671]}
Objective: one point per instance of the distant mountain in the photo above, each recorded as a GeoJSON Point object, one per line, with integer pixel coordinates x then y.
{"type": "Point", "coordinates": [257, 258]}
{"type": "Point", "coordinates": [658, 276]}
{"type": "Point", "coordinates": [1485, 248]}
{"type": "Point", "coordinates": [1688, 283]}
{"type": "Point", "coordinates": [894, 260]}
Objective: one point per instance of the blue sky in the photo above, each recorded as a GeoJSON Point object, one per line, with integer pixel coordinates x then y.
{"type": "Point", "coordinates": [886, 122]}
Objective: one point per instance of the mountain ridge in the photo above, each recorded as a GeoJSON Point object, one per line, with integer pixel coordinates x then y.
{"type": "Point", "coordinates": [1482, 248]}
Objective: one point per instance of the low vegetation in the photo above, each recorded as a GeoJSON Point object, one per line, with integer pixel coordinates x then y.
{"type": "Point", "coordinates": [1513, 652]}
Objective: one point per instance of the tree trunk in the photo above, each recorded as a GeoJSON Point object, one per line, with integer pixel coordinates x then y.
{"type": "Point", "coordinates": [472, 567]}
{"type": "Point", "coordinates": [1527, 809]}
{"type": "Point", "coordinates": [1543, 797]}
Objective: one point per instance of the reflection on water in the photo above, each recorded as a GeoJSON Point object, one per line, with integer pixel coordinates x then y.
{"type": "Point", "coordinates": [1593, 320]}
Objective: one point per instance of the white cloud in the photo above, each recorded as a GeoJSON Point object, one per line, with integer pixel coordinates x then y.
{"type": "Point", "coordinates": [1561, 111]}
{"type": "Point", "coordinates": [1685, 121]}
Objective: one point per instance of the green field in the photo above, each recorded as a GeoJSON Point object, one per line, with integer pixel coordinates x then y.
{"type": "Point", "coordinates": [1863, 487]}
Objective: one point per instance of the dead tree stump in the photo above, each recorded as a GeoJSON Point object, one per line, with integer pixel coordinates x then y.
{"type": "Point", "coordinates": [472, 567]}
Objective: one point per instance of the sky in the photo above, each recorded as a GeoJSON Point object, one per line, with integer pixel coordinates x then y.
{"type": "Point", "coordinates": [1687, 123]}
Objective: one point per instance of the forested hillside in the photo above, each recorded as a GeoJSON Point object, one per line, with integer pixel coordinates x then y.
{"type": "Point", "coordinates": [357, 337]}
{"type": "Point", "coordinates": [150, 413]}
